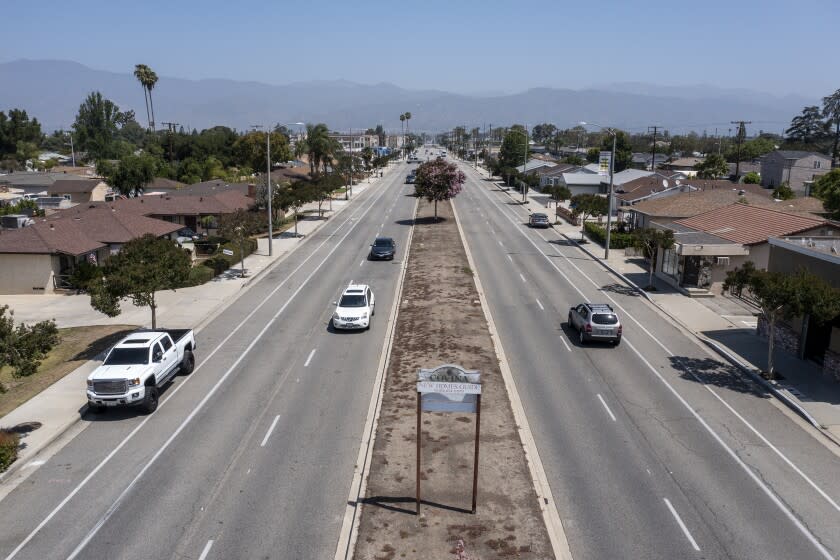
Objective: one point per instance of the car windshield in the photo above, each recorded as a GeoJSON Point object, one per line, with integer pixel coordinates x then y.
{"type": "Point", "coordinates": [383, 242]}
{"type": "Point", "coordinates": [127, 356]}
{"type": "Point", "coordinates": [604, 319]}
{"type": "Point", "coordinates": [352, 300]}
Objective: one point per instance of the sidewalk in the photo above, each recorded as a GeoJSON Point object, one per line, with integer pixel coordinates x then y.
{"type": "Point", "coordinates": [61, 405]}
{"type": "Point", "coordinates": [726, 325]}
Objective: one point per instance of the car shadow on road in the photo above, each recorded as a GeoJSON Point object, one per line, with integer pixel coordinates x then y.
{"type": "Point", "coordinates": [573, 338]}
{"type": "Point", "coordinates": [386, 502]}
{"type": "Point", "coordinates": [622, 289]}
{"type": "Point", "coordinates": [333, 330]}
{"type": "Point", "coordinates": [719, 374]}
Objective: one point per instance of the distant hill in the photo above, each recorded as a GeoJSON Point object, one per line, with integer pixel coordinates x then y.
{"type": "Point", "coordinates": [53, 90]}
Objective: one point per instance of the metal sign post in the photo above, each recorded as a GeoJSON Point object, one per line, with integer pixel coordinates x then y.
{"type": "Point", "coordinates": [449, 388]}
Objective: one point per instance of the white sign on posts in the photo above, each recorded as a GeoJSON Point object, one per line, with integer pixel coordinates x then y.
{"type": "Point", "coordinates": [448, 388]}
{"type": "Point", "coordinates": [227, 252]}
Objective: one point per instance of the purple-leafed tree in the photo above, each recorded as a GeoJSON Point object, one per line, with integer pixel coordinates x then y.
{"type": "Point", "coordinates": [438, 180]}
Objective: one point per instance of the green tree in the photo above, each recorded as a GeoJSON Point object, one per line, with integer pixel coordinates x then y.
{"type": "Point", "coordinates": [649, 241]}
{"type": "Point", "coordinates": [249, 149]}
{"type": "Point", "coordinates": [543, 133]}
{"type": "Point", "coordinates": [144, 266]}
{"type": "Point", "coordinates": [587, 205]}
{"type": "Point", "coordinates": [239, 226]}
{"type": "Point", "coordinates": [15, 128]}
{"type": "Point", "coordinates": [783, 192]}
{"type": "Point", "coordinates": [827, 189]}
{"type": "Point", "coordinates": [96, 126]}
{"type": "Point", "coordinates": [831, 112]}
{"type": "Point", "coordinates": [514, 147]}
{"type": "Point", "coordinates": [807, 126]}
{"type": "Point", "coordinates": [22, 347]}
{"type": "Point", "coordinates": [592, 154]}
{"type": "Point", "coordinates": [752, 178]}
{"type": "Point", "coordinates": [712, 167]}
{"type": "Point", "coordinates": [130, 175]}
{"type": "Point", "coordinates": [438, 180]}
{"type": "Point", "coordinates": [141, 72]}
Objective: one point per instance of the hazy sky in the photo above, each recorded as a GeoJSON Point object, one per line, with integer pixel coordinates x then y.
{"type": "Point", "coordinates": [464, 46]}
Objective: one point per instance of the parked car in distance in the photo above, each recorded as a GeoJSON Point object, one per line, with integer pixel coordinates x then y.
{"type": "Point", "coordinates": [355, 308]}
{"type": "Point", "coordinates": [138, 366]}
{"type": "Point", "coordinates": [539, 220]}
{"type": "Point", "coordinates": [382, 248]}
{"type": "Point", "coordinates": [187, 235]}
{"type": "Point", "coordinates": [410, 178]}
{"type": "Point", "coordinates": [595, 321]}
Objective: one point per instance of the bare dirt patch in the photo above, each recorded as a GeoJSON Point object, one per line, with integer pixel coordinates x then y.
{"type": "Point", "coordinates": [78, 345]}
{"type": "Point", "coordinates": [441, 321]}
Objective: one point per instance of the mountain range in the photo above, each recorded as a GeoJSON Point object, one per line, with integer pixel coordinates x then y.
{"type": "Point", "coordinates": [52, 91]}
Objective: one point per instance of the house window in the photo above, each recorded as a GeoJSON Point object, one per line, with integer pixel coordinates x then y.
{"type": "Point", "coordinates": [670, 262]}
{"type": "Point", "coordinates": [816, 164]}
{"type": "Point", "coordinates": [67, 196]}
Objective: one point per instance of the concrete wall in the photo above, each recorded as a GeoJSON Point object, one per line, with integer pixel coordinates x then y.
{"type": "Point", "coordinates": [789, 262]}
{"type": "Point", "coordinates": [27, 273]}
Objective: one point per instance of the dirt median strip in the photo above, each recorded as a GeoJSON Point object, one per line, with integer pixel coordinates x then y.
{"type": "Point", "coordinates": [441, 321]}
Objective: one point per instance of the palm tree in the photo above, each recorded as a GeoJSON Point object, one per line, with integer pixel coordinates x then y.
{"type": "Point", "coordinates": [402, 128]}
{"type": "Point", "coordinates": [150, 85]}
{"type": "Point", "coordinates": [318, 144]}
{"type": "Point", "coordinates": [407, 118]}
{"type": "Point", "coordinates": [141, 72]}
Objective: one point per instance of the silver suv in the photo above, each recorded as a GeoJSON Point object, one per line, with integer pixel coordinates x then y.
{"type": "Point", "coordinates": [595, 321]}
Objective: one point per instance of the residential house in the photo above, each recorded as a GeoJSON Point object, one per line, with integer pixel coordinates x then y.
{"type": "Point", "coordinates": [80, 190]}
{"type": "Point", "coordinates": [583, 183]}
{"type": "Point", "coordinates": [796, 168]}
{"type": "Point", "coordinates": [554, 175]}
{"type": "Point", "coordinates": [686, 165]}
{"type": "Point", "coordinates": [533, 165]}
{"type": "Point", "coordinates": [187, 210]}
{"type": "Point", "coordinates": [649, 186]}
{"type": "Point", "coordinates": [744, 168]}
{"type": "Point", "coordinates": [40, 257]}
{"type": "Point", "coordinates": [710, 244]}
{"type": "Point", "coordinates": [818, 342]}
{"type": "Point", "coordinates": [34, 183]}
{"type": "Point", "coordinates": [646, 161]}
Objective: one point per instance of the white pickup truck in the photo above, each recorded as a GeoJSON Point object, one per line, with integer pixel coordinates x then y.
{"type": "Point", "coordinates": [138, 366]}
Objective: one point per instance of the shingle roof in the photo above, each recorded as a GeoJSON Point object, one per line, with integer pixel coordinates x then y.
{"type": "Point", "coordinates": [73, 186]}
{"type": "Point", "coordinates": [748, 225]}
{"type": "Point", "coordinates": [629, 175]}
{"type": "Point", "coordinates": [689, 204]}
{"type": "Point", "coordinates": [60, 236]}
{"type": "Point", "coordinates": [798, 154]}
{"type": "Point", "coordinates": [108, 224]}
{"type": "Point", "coordinates": [182, 204]}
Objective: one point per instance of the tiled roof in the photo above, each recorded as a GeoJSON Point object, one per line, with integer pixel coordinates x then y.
{"type": "Point", "coordinates": [747, 224]}
{"type": "Point", "coordinates": [185, 204]}
{"type": "Point", "coordinates": [691, 203]}
{"type": "Point", "coordinates": [109, 224]}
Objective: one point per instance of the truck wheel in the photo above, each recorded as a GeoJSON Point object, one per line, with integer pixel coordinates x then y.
{"type": "Point", "coordinates": [581, 337]}
{"type": "Point", "coordinates": [188, 363]}
{"type": "Point", "coordinates": [150, 403]}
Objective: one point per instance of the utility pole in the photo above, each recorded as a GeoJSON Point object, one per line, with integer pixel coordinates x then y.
{"type": "Point", "coordinates": [653, 150]}
{"type": "Point", "coordinates": [171, 126]}
{"type": "Point", "coordinates": [610, 197]}
{"type": "Point", "coordinates": [742, 132]}
{"type": "Point", "coordinates": [525, 166]}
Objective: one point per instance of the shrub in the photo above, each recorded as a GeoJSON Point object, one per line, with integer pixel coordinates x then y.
{"type": "Point", "coordinates": [248, 246]}
{"type": "Point", "coordinates": [199, 275]}
{"type": "Point", "coordinates": [618, 240]}
{"type": "Point", "coordinates": [9, 442]}
{"type": "Point", "coordinates": [217, 265]}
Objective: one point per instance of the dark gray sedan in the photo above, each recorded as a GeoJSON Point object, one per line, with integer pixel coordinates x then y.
{"type": "Point", "coordinates": [383, 248]}
{"type": "Point", "coordinates": [539, 220]}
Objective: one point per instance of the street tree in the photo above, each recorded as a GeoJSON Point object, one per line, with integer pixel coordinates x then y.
{"type": "Point", "coordinates": [144, 266]}
{"type": "Point", "coordinates": [783, 192]}
{"type": "Point", "coordinates": [558, 193]}
{"type": "Point", "coordinates": [827, 188]}
{"type": "Point", "coordinates": [238, 227]}
{"type": "Point", "coordinates": [22, 347]}
{"type": "Point", "coordinates": [779, 295]}
{"type": "Point", "coordinates": [130, 175]}
{"type": "Point", "coordinates": [712, 167]}
{"type": "Point", "coordinates": [831, 112]}
{"type": "Point", "coordinates": [249, 149]}
{"type": "Point", "coordinates": [623, 150]}
{"type": "Point", "coordinates": [752, 178]}
{"type": "Point", "coordinates": [649, 241]}
{"type": "Point", "coordinates": [585, 206]}
{"type": "Point", "coordinates": [513, 151]}
{"type": "Point", "coordinates": [438, 180]}
{"type": "Point", "coordinates": [807, 126]}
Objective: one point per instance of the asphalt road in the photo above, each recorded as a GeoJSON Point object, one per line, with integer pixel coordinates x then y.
{"type": "Point", "coordinates": [252, 455]}
{"type": "Point", "coordinates": [653, 449]}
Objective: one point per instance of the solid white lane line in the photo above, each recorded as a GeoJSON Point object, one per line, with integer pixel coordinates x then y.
{"type": "Point", "coordinates": [509, 258]}
{"type": "Point", "coordinates": [523, 278]}
{"type": "Point", "coordinates": [682, 525]}
{"type": "Point", "coordinates": [198, 407]}
{"type": "Point", "coordinates": [178, 387]}
{"type": "Point", "coordinates": [603, 402]}
{"type": "Point", "coordinates": [500, 243]}
{"type": "Point", "coordinates": [361, 263]}
{"type": "Point", "coordinates": [270, 429]}
{"type": "Point", "coordinates": [766, 489]}
{"type": "Point", "coordinates": [309, 359]}
{"type": "Point", "coordinates": [541, 305]}
{"type": "Point", "coordinates": [566, 344]}
{"type": "Point", "coordinates": [206, 550]}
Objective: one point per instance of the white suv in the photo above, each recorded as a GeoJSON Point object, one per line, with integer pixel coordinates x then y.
{"type": "Point", "coordinates": [355, 308]}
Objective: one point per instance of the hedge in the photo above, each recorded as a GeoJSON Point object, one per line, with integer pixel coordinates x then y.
{"type": "Point", "coordinates": [199, 275]}
{"type": "Point", "coordinates": [217, 264]}
{"type": "Point", "coordinates": [598, 234]}
{"type": "Point", "coordinates": [249, 246]}
{"type": "Point", "coordinates": [9, 442]}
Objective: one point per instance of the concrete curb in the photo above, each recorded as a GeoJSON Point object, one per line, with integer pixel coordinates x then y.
{"type": "Point", "coordinates": [346, 547]}
{"type": "Point", "coordinates": [542, 488]}
{"type": "Point", "coordinates": [213, 314]}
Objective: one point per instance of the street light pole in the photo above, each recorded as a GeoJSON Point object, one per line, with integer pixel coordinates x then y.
{"type": "Point", "coordinates": [269, 192]}
{"type": "Point", "coordinates": [613, 132]}
{"type": "Point", "coordinates": [525, 164]}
